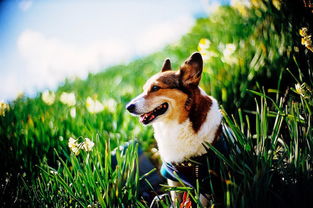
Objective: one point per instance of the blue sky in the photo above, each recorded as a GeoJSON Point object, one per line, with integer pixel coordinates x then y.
{"type": "Point", "coordinates": [44, 41]}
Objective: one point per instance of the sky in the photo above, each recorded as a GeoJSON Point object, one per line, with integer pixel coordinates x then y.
{"type": "Point", "coordinates": [45, 41]}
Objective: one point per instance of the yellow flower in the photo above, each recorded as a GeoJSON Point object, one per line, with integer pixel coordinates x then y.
{"type": "Point", "coordinates": [93, 105]}
{"type": "Point", "coordinates": [204, 44]}
{"type": "Point", "coordinates": [277, 4]}
{"type": "Point", "coordinates": [306, 38]}
{"type": "Point", "coordinates": [303, 31]}
{"type": "Point", "coordinates": [88, 145]}
{"type": "Point", "coordinates": [306, 41]}
{"type": "Point", "coordinates": [228, 182]}
{"type": "Point", "coordinates": [3, 108]}
{"type": "Point", "coordinates": [68, 98]}
{"type": "Point", "coordinates": [48, 97]}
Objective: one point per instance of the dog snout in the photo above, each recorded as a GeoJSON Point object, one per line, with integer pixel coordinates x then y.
{"type": "Point", "coordinates": [131, 107]}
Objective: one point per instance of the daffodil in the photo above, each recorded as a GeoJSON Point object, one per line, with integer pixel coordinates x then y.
{"type": "Point", "coordinates": [307, 42]}
{"type": "Point", "coordinates": [306, 38]}
{"type": "Point", "coordinates": [204, 44]}
{"type": "Point", "coordinates": [228, 54]}
{"type": "Point", "coordinates": [277, 4]}
{"type": "Point", "coordinates": [207, 55]}
{"type": "Point", "coordinates": [53, 172]}
{"type": "Point", "coordinates": [303, 31]}
{"type": "Point", "coordinates": [203, 48]}
{"type": "Point", "coordinates": [3, 108]}
{"type": "Point", "coordinates": [94, 105]}
{"type": "Point", "coordinates": [241, 6]}
{"type": "Point", "coordinates": [73, 145]}
{"type": "Point", "coordinates": [68, 98]}
{"type": "Point", "coordinates": [48, 97]}
{"type": "Point", "coordinates": [304, 90]}
{"type": "Point", "coordinates": [110, 104]}
{"type": "Point", "coordinates": [88, 145]}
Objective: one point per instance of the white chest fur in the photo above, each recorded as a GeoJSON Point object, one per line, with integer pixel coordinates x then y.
{"type": "Point", "coordinates": [178, 142]}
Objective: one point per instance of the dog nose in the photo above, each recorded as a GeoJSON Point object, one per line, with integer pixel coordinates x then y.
{"type": "Point", "coordinates": [131, 108]}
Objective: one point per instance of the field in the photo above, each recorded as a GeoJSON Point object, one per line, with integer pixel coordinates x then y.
{"type": "Point", "coordinates": [256, 67]}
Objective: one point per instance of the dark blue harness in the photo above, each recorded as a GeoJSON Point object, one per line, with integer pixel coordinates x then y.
{"type": "Point", "coordinates": [197, 168]}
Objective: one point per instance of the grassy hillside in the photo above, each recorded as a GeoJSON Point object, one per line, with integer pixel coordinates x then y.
{"type": "Point", "coordinates": [247, 52]}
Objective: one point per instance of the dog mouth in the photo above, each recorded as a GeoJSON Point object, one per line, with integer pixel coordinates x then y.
{"type": "Point", "coordinates": [150, 116]}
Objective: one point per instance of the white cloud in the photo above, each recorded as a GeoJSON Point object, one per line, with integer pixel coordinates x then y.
{"type": "Point", "coordinates": [46, 61]}
{"type": "Point", "coordinates": [157, 36]}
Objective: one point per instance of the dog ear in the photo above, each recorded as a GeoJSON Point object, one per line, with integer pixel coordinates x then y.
{"type": "Point", "coordinates": [191, 70]}
{"type": "Point", "coordinates": [166, 65]}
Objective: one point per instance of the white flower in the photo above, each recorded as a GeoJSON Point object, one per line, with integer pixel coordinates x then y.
{"type": "Point", "coordinates": [48, 97]}
{"type": "Point", "coordinates": [73, 112]}
{"type": "Point", "coordinates": [207, 55]}
{"type": "Point", "coordinates": [229, 49]}
{"type": "Point", "coordinates": [228, 54]}
{"type": "Point", "coordinates": [303, 90]}
{"type": "Point", "coordinates": [203, 48]}
{"type": "Point", "coordinates": [68, 98]}
{"type": "Point", "coordinates": [72, 142]}
{"type": "Point", "coordinates": [53, 172]}
{"type": "Point", "coordinates": [110, 104]}
{"type": "Point", "coordinates": [93, 105]}
{"type": "Point", "coordinates": [127, 90]}
{"type": "Point", "coordinates": [204, 44]}
{"type": "Point", "coordinates": [74, 146]}
{"type": "Point", "coordinates": [88, 145]}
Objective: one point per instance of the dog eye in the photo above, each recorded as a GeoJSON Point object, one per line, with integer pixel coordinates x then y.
{"type": "Point", "coordinates": [155, 88]}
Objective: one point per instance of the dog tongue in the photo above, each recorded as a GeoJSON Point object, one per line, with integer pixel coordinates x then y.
{"type": "Point", "coordinates": [146, 118]}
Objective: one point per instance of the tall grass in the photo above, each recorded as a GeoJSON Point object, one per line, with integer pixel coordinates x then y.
{"type": "Point", "coordinates": [90, 179]}
{"type": "Point", "coordinates": [272, 167]}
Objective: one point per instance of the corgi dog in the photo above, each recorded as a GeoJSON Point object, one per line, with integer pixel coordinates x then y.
{"type": "Point", "coordinates": [183, 116]}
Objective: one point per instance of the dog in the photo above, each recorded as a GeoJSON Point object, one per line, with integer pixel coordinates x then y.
{"type": "Point", "coordinates": [184, 118]}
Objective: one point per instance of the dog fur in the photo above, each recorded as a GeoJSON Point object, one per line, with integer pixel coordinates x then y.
{"type": "Point", "coordinates": [191, 117]}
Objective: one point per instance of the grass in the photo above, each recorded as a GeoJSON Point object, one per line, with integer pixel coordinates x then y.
{"type": "Point", "coordinates": [90, 179]}
{"type": "Point", "coordinates": [253, 77]}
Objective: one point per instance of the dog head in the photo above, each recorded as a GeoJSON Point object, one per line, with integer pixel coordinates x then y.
{"type": "Point", "coordinates": [169, 95]}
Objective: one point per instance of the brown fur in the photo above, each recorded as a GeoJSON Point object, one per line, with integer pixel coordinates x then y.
{"type": "Point", "coordinates": [199, 109]}
{"type": "Point", "coordinates": [169, 89]}
{"type": "Point", "coordinates": [189, 103]}
{"type": "Point", "coordinates": [181, 87]}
